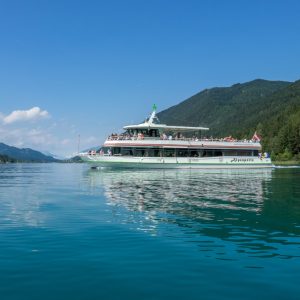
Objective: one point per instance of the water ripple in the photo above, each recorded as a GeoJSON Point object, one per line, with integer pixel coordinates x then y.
{"type": "Point", "coordinates": [86, 232]}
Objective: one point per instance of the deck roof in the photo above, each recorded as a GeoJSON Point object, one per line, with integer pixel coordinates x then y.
{"type": "Point", "coordinates": [164, 127]}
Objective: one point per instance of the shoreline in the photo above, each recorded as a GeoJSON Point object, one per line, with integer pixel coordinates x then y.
{"type": "Point", "coordinates": [286, 163]}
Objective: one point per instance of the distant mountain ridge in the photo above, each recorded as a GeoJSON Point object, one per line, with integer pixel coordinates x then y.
{"type": "Point", "coordinates": [272, 108]}
{"type": "Point", "coordinates": [24, 154]}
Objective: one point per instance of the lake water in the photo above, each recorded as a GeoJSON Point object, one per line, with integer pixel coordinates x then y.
{"type": "Point", "coordinates": [69, 232]}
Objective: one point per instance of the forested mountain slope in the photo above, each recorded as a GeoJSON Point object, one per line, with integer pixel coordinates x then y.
{"type": "Point", "coordinates": [24, 154]}
{"type": "Point", "coordinates": [272, 108]}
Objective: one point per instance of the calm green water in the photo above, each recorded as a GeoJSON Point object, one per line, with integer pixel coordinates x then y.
{"type": "Point", "coordinates": [68, 232]}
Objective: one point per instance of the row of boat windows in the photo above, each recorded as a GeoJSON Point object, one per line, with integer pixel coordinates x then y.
{"type": "Point", "coordinates": [171, 152]}
{"type": "Point", "coordinates": [144, 132]}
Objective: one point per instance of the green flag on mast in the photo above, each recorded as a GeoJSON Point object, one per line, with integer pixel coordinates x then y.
{"type": "Point", "coordinates": [154, 107]}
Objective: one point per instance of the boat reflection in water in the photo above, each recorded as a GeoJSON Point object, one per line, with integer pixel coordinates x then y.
{"type": "Point", "coordinates": [215, 209]}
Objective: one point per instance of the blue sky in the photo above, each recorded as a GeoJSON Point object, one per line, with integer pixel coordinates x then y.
{"type": "Point", "coordinates": [93, 66]}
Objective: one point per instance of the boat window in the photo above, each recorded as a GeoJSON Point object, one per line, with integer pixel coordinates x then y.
{"type": "Point", "coordinates": [218, 153]}
{"type": "Point", "coordinates": [230, 153]}
{"type": "Point", "coordinates": [153, 133]}
{"type": "Point", "coordinates": [127, 151]}
{"type": "Point", "coordinates": [244, 153]}
{"type": "Point", "coordinates": [144, 132]}
{"type": "Point", "coordinates": [196, 153]}
{"type": "Point", "coordinates": [207, 153]}
{"type": "Point", "coordinates": [169, 152]}
{"type": "Point", "coordinates": [182, 152]}
{"type": "Point", "coordinates": [130, 132]}
{"type": "Point", "coordinates": [240, 152]}
{"type": "Point", "coordinates": [116, 150]}
{"type": "Point", "coordinates": [140, 152]}
{"type": "Point", "coordinates": [154, 152]}
{"type": "Point", "coordinates": [105, 149]}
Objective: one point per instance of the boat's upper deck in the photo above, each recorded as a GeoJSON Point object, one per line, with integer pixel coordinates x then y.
{"type": "Point", "coordinates": [182, 143]}
{"type": "Point", "coordinates": [153, 134]}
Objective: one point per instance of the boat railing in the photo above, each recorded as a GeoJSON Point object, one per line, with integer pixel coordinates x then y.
{"type": "Point", "coordinates": [170, 138]}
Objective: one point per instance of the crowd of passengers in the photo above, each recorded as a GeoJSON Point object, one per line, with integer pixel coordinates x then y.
{"type": "Point", "coordinates": [178, 136]}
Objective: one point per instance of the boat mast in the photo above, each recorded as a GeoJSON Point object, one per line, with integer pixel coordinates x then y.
{"type": "Point", "coordinates": [152, 114]}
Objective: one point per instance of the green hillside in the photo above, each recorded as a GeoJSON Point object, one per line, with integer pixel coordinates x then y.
{"type": "Point", "coordinates": [272, 108]}
{"type": "Point", "coordinates": [6, 159]}
{"type": "Point", "coordinates": [24, 154]}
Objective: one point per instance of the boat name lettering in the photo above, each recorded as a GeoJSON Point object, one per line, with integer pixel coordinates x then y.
{"type": "Point", "coordinates": [242, 159]}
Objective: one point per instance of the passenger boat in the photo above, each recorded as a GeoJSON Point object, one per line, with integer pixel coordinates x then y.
{"type": "Point", "coordinates": [155, 145]}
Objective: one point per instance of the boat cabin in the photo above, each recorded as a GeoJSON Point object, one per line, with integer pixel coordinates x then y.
{"type": "Point", "coordinates": [175, 152]}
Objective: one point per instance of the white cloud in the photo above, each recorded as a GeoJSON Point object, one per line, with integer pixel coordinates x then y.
{"type": "Point", "coordinates": [26, 137]}
{"type": "Point", "coordinates": [25, 115]}
{"type": "Point", "coordinates": [55, 136]}
{"type": "Point", "coordinates": [42, 138]}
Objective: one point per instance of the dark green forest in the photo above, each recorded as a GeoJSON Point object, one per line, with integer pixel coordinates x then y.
{"type": "Point", "coordinates": [6, 159]}
{"type": "Point", "coordinates": [271, 108]}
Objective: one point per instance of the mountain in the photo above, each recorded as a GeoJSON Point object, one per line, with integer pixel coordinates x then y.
{"type": "Point", "coordinates": [96, 148]}
{"type": "Point", "coordinates": [74, 159]}
{"type": "Point", "coordinates": [56, 156]}
{"type": "Point", "coordinates": [272, 108]}
{"type": "Point", "coordinates": [24, 154]}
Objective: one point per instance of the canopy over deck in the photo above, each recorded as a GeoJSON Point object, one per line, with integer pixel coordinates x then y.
{"type": "Point", "coordinates": [163, 127]}
{"type": "Point", "coordinates": [153, 123]}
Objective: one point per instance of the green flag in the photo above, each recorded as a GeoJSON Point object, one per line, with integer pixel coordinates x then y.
{"type": "Point", "coordinates": [154, 107]}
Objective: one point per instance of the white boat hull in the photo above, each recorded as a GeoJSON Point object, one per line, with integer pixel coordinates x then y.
{"type": "Point", "coordinates": [178, 162]}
